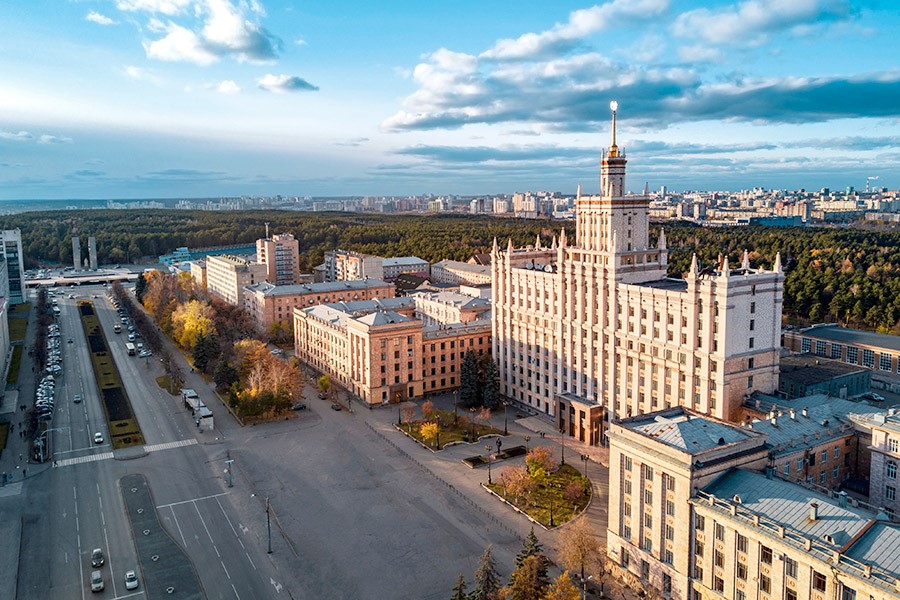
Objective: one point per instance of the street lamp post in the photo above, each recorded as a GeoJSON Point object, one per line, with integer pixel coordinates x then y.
{"type": "Point", "coordinates": [584, 459]}
{"type": "Point", "coordinates": [584, 584]}
{"type": "Point", "coordinates": [489, 447]}
{"type": "Point", "coordinates": [505, 413]}
{"type": "Point", "coordinates": [455, 407]}
{"type": "Point", "coordinates": [268, 524]}
{"type": "Point", "coordinates": [527, 439]}
{"type": "Point", "coordinates": [562, 446]}
{"type": "Point", "coordinates": [551, 509]}
{"type": "Point", "coordinates": [228, 467]}
{"type": "Point", "coordinates": [472, 410]}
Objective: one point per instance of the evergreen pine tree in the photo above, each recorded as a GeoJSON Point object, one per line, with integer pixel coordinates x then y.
{"type": "Point", "coordinates": [459, 590]}
{"type": "Point", "coordinates": [204, 352]}
{"type": "Point", "coordinates": [487, 580]}
{"type": "Point", "coordinates": [140, 286]}
{"type": "Point", "coordinates": [530, 547]}
{"type": "Point", "coordinates": [491, 385]}
{"type": "Point", "coordinates": [468, 381]}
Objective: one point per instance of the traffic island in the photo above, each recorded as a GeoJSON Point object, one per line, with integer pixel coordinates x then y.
{"type": "Point", "coordinates": [124, 431]}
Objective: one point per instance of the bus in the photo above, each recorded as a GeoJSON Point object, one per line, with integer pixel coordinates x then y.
{"type": "Point", "coordinates": [130, 347]}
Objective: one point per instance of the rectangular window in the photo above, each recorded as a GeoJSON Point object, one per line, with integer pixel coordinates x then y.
{"type": "Point", "coordinates": [852, 355]}
{"type": "Point", "coordinates": [627, 463]}
{"type": "Point", "coordinates": [765, 584]}
{"type": "Point", "coordinates": [790, 567]}
{"type": "Point", "coordinates": [752, 324]}
{"type": "Point", "coordinates": [698, 548]}
{"type": "Point", "coordinates": [719, 532]}
{"type": "Point", "coordinates": [805, 345]}
{"type": "Point", "coordinates": [765, 555]}
{"type": "Point", "coordinates": [890, 492]}
{"type": "Point", "coordinates": [837, 452]}
{"type": "Point", "coordinates": [848, 593]}
{"type": "Point", "coordinates": [668, 558]}
{"type": "Point", "coordinates": [884, 362]}
{"type": "Point", "coordinates": [670, 508]}
{"type": "Point", "coordinates": [868, 359]}
{"type": "Point", "coordinates": [701, 522]}
{"type": "Point", "coordinates": [820, 347]}
{"type": "Point", "coordinates": [741, 571]}
{"type": "Point", "coordinates": [790, 594]}
{"type": "Point", "coordinates": [818, 581]}
{"type": "Point", "coordinates": [648, 520]}
{"type": "Point", "coordinates": [670, 533]}
{"type": "Point", "coordinates": [718, 584]}
{"type": "Point", "coordinates": [741, 543]}
{"type": "Point", "coordinates": [740, 595]}
{"type": "Point", "coordinates": [836, 351]}
{"type": "Point", "coordinates": [751, 342]}
{"type": "Point", "coordinates": [787, 469]}
{"type": "Point", "coordinates": [718, 558]}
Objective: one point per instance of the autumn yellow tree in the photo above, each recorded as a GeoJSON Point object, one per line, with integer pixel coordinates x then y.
{"type": "Point", "coordinates": [190, 321]}
{"type": "Point", "coordinates": [430, 431]}
{"type": "Point", "coordinates": [578, 548]}
{"type": "Point", "coordinates": [562, 588]}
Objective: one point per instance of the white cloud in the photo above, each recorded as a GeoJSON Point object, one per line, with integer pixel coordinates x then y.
{"type": "Point", "coordinates": [54, 139]}
{"type": "Point", "coordinates": [21, 136]}
{"type": "Point", "coordinates": [698, 53]}
{"type": "Point", "coordinates": [165, 7]}
{"type": "Point", "coordinates": [752, 21]}
{"type": "Point", "coordinates": [281, 84]}
{"type": "Point", "coordinates": [180, 44]}
{"type": "Point", "coordinates": [228, 87]}
{"type": "Point", "coordinates": [99, 19]}
{"type": "Point", "coordinates": [229, 30]}
{"type": "Point", "coordinates": [140, 74]}
{"type": "Point", "coordinates": [581, 23]}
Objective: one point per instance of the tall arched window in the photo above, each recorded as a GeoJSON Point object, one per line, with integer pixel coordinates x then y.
{"type": "Point", "coordinates": [890, 470]}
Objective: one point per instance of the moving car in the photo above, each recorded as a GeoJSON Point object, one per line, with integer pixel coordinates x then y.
{"type": "Point", "coordinates": [131, 580]}
{"type": "Point", "coordinates": [77, 398]}
{"type": "Point", "coordinates": [97, 581]}
{"type": "Point", "coordinates": [335, 407]}
{"type": "Point", "coordinates": [97, 558]}
{"type": "Point", "coordinates": [98, 438]}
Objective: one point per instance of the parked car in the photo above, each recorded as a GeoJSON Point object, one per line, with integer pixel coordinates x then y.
{"type": "Point", "coordinates": [131, 580]}
{"type": "Point", "coordinates": [335, 407]}
{"type": "Point", "coordinates": [300, 406]}
{"type": "Point", "coordinates": [97, 558]}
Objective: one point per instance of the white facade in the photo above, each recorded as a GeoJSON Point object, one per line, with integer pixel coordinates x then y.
{"type": "Point", "coordinates": [600, 320]}
{"type": "Point", "coordinates": [15, 264]}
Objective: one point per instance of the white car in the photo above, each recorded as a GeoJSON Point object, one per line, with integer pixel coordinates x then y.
{"type": "Point", "coordinates": [98, 438]}
{"type": "Point", "coordinates": [131, 580]}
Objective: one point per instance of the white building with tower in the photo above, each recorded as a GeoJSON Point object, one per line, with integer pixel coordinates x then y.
{"type": "Point", "coordinates": [594, 330]}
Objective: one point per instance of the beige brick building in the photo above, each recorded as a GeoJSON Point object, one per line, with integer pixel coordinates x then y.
{"type": "Point", "coordinates": [382, 351]}
{"type": "Point", "coordinates": [226, 277]}
{"type": "Point", "coordinates": [454, 271]}
{"type": "Point", "coordinates": [281, 256]}
{"type": "Point", "coordinates": [598, 323]}
{"type": "Point", "coordinates": [884, 480]}
{"type": "Point", "coordinates": [694, 513]}
{"type": "Point", "coordinates": [269, 304]}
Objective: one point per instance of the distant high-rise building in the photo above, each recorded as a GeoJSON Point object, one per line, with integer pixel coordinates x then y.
{"type": "Point", "coordinates": [15, 265]}
{"type": "Point", "coordinates": [92, 252]}
{"type": "Point", "coordinates": [76, 252]}
{"type": "Point", "coordinates": [280, 255]}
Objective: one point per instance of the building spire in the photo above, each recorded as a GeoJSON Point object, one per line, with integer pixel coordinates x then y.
{"type": "Point", "coordinates": [613, 149]}
{"type": "Point", "coordinates": [562, 237]}
{"type": "Point", "coordinates": [537, 242]}
{"type": "Point", "coordinates": [496, 248]}
{"type": "Point", "coordinates": [777, 267]}
{"type": "Point", "coordinates": [694, 267]}
{"type": "Point", "coordinates": [578, 192]}
{"type": "Point", "coordinates": [745, 261]}
{"type": "Point", "coordinates": [662, 239]}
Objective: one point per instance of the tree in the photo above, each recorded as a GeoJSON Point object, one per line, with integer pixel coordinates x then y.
{"type": "Point", "coordinates": [225, 374]}
{"type": "Point", "coordinates": [540, 459]}
{"type": "Point", "coordinates": [428, 410]}
{"type": "Point", "coordinates": [517, 482]}
{"type": "Point", "coordinates": [140, 286]}
{"type": "Point", "coordinates": [562, 589]}
{"type": "Point", "coordinates": [529, 580]}
{"type": "Point", "coordinates": [577, 547]}
{"type": "Point", "coordinates": [459, 590]}
{"type": "Point", "coordinates": [430, 431]}
{"type": "Point", "coordinates": [530, 547]}
{"type": "Point", "coordinates": [324, 383]}
{"type": "Point", "coordinates": [205, 351]}
{"type": "Point", "coordinates": [468, 381]}
{"type": "Point", "coordinates": [487, 580]}
{"type": "Point", "coordinates": [491, 385]}
{"type": "Point", "coordinates": [191, 320]}
{"type": "Point", "coordinates": [407, 413]}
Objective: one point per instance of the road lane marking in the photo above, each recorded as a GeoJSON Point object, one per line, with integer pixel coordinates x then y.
{"type": "Point", "coordinates": [236, 595]}
{"type": "Point", "coordinates": [222, 508]}
{"type": "Point", "coordinates": [193, 500]}
{"type": "Point", "coordinates": [252, 564]}
{"type": "Point", "coordinates": [67, 462]}
{"type": "Point", "coordinates": [178, 525]}
{"type": "Point", "coordinates": [227, 574]}
{"type": "Point", "coordinates": [169, 445]}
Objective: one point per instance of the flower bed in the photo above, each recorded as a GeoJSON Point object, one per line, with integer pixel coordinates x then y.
{"type": "Point", "coordinates": [459, 428]}
{"type": "Point", "coordinates": [552, 493]}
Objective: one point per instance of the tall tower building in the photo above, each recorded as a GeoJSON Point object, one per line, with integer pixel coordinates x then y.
{"type": "Point", "coordinates": [596, 330]}
{"type": "Point", "coordinates": [92, 252]}
{"type": "Point", "coordinates": [76, 252]}
{"type": "Point", "coordinates": [11, 240]}
{"type": "Point", "coordinates": [280, 254]}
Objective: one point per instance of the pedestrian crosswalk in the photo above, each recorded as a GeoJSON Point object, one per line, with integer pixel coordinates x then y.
{"type": "Point", "coordinates": [169, 445]}
{"type": "Point", "coordinates": [67, 462]}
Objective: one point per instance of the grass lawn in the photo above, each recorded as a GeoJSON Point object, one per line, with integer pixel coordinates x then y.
{"type": "Point", "coordinates": [17, 327]}
{"type": "Point", "coordinates": [459, 429]}
{"type": "Point", "coordinates": [22, 308]}
{"type": "Point", "coordinates": [164, 383]}
{"type": "Point", "coordinates": [13, 376]}
{"type": "Point", "coordinates": [548, 495]}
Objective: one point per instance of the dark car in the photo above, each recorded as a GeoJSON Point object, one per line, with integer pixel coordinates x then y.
{"type": "Point", "coordinates": [335, 407]}
{"type": "Point", "coordinates": [97, 559]}
{"type": "Point", "coordinates": [300, 406]}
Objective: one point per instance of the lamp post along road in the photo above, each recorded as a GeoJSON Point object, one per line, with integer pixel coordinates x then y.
{"type": "Point", "coordinates": [489, 447]}
{"type": "Point", "coordinates": [562, 446]}
{"type": "Point", "coordinates": [505, 414]}
{"type": "Point", "coordinates": [268, 526]}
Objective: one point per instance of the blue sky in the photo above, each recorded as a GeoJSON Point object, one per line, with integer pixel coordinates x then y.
{"type": "Point", "coordinates": [188, 98]}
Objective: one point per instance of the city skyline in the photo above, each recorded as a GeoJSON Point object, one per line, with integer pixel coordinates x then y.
{"type": "Point", "coordinates": [188, 98]}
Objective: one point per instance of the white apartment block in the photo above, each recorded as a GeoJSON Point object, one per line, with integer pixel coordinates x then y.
{"type": "Point", "coordinates": [281, 256]}
{"type": "Point", "coordinates": [226, 277]}
{"type": "Point", "coordinates": [598, 326]}
{"type": "Point", "coordinates": [343, 265]}
{"type": "Point", "coordinates": [450, 307]}
{"type": "Point", "coordinates": [454, 271]}
{"type": "Point", "coordinates": [694, 513]}
{"type": "Point", "coordinates": [15, 264]}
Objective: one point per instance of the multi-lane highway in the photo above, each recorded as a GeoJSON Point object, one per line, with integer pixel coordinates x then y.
{"type": "Point", "coordinates": [77, 505]}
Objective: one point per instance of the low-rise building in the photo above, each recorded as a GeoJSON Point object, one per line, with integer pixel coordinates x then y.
{"type": "Point", "coordinates": [696, 511]}
{"type": "Point", "coordinates": [879, 352]}
{"type": "Point", "coordinates": [198, 272]}
{"type": "Point", "coordinates": [450, 307]}
{"type": "Point", "coordinates": [269, 304]}
{"type": "Point", "coordinates": [806, 374]}
{"type": "Point", "coordinates": [454, 271]}
{"type": "Point", "coordinates": [382, 351]}
{"type": "Point", "coordinates": [344, 265]}
{"type": "Point", "coordinates": [228, 275]}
